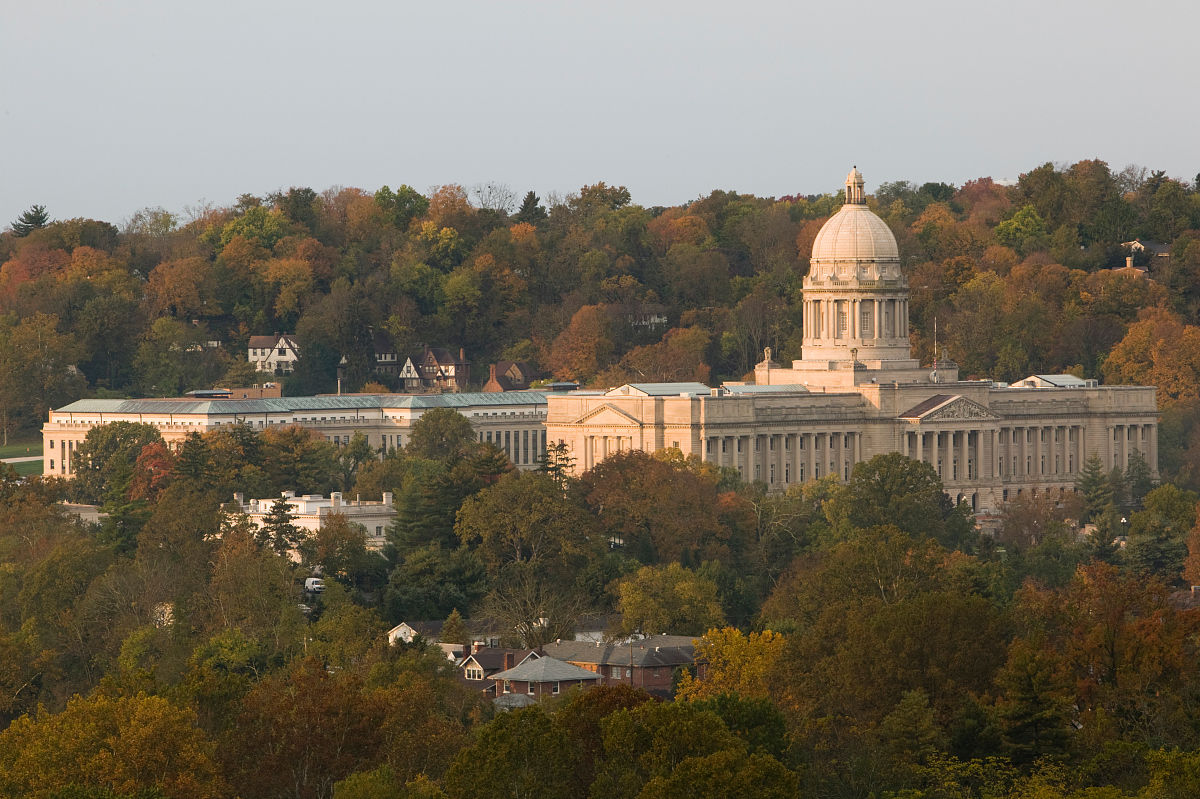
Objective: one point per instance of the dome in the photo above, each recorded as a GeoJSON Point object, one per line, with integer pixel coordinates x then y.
{"type": "Point", "coordinates": [855, 233]}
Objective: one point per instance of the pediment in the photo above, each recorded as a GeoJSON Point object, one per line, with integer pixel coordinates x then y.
{"type": "Point", "coordinates": [610, 416]}
{"type": "Point", "coordinates": [949, 409]}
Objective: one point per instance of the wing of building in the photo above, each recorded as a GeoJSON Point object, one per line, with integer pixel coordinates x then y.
{"type": "Point", "coordinates": [514, 421]}
{"type": "Point", "coordinates": [857, 392]}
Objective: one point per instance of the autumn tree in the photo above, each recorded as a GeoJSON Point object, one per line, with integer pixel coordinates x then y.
{"type": "Point", "coordinates": [102, 449]}
{"type": "Point", "coordinates": [667, 599]}
{"type": "Point", "coordinates": [736, 664]}
{"type": "Point", "coordinates": [124, 745]}
{"type": "Point", "coordinates": [301, 731]}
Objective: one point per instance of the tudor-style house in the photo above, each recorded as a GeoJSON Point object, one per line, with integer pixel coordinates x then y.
{"type": "Point", "coordinates": [275, 354]}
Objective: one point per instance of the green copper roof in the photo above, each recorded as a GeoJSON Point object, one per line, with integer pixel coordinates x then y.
{"type": "Point", "coordinates": [330, 403]}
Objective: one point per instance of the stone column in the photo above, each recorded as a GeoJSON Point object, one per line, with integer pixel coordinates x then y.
{"type": "Point", "coordinates": [1152, 448]}
{"type": "Point", "coordinates": [965, 474]}
{"type": "Point", "coordinates": [920, 455]}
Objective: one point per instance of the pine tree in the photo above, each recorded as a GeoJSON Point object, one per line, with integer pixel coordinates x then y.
{"type": "Point", "coordinates": [33, 219]}
{"type": "Point", "coordinates": [530, 211]}
{"type": "Point", "coordinates": [454, 630]}
{"type": "Point", "coordinates": [277, 531]}
{"type": "Point", "coordinates": [1138, 478]}
{"type": "Point", "coordinates": [1097, 491]}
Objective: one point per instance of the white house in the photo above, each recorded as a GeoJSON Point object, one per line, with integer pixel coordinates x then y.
{"type": "Point", "coordinates": [276, 354]}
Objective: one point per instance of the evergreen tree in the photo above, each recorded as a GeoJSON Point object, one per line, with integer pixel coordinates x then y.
{"type": "Point", "coordinates": [277, 531]}
{"type": "Point", "coordinates": [1097, 491]}
{"type": "Point", "coordinates": [530, 211]}
{"type": "Point", "coordinates": [1138, 479]}
{"type": "Point", "coordinates": [35, 218]}
{"type": "Point", "coordinates": [194, 461]}
{"type": "Point", "coordinates": [454, 631]}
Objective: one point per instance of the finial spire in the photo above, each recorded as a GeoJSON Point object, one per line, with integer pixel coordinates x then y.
{"type": "Point", "coordinates": [854, 188]}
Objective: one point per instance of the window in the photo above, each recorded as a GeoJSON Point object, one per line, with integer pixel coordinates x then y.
{"type": "Point", "coordinates": [507, 687]}
{"type": "Point", "coordinates": [52, 463]}
{"type": "Point", "coordinates": [474, 673]}
{"type": "Point", "coordinates": [52, 443]}
{"type": "Point", "coordinates": [529, 688]}
{"type": "Point", "coordinates": [282, 351]}
{"type": "Point", "coordinates": [557, 687]}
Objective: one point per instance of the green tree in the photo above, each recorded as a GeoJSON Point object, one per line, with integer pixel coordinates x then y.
{"type": "Point", "coordinates": [526, 518]}
{"type": "Point", "coordinates": [277, 532]}
{"type": "Point", "coordinates": [531, 210]}
{"type": "Point", "coordinates": [431, 581]}
{"type": "Point", "coordinates": [102, 449]}
{"type": "Point", "coordinates": [402, 205]}
{"type": "Point", "coordinates": [33, 219]}
{"type": "Point", "coordinates": [454, 631]}
{"type": "Point", "coordinates": [1158, 534]}
{"type": "Point", "coordinates": [1034, 704]}
{"type": "Point", "coordinates": [440, 434]}
{"type": "Point", "coordinates": [1093, 484]}
{"type": "Point", "coordinates": [891, 489]}
{"type": "Point", "coordinates": [522, 755]}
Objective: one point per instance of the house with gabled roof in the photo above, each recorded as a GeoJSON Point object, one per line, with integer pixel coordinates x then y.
{"type": "Point", "coordinates": [649, 663]}
{"type": "Point", "coordinates": [275, 354]}
{"type": "Point", "coordinates": [542, 677]}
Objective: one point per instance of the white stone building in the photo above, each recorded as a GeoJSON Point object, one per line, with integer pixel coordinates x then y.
{"type": "Point", "coordinates": [311, 511]}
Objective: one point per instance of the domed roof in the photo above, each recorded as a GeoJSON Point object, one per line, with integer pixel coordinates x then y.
{"type": "Point", "coordinates": [855, 233]}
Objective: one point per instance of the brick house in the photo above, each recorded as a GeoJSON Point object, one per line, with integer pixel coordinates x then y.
{"type": "Point", "coordinates": [542, 677]}
{"type": "Point", "coordinates": [649, 663]}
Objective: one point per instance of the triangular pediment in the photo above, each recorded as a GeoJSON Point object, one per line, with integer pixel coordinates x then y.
{"type": "Point", "coordinates": [608, 415]}
{"type": "Point", "coordinates": [943, 408]}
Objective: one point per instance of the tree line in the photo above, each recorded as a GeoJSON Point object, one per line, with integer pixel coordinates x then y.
{"type": "Point", "coordinates": [593, 287]}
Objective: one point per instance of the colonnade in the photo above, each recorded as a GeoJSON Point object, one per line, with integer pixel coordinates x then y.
{"type": "Point", "coordinates": [597, 448]}
{"type": "Point", "coordinates": [780, 459]}
{"type": "Point", "coordinates": [1025, 453]}
{"type": "Point", "coordinates": [883, 318]}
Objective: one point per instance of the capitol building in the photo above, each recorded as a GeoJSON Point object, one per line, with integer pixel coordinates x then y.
{"type": "Point", "coordinates": [856, 392]}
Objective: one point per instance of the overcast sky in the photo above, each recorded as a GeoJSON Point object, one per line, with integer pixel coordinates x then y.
{"type": "Point", "coordinates": [108, 107]}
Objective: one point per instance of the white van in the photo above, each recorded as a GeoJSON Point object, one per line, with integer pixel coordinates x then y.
{"type": "Point", "coordinates": [314, 585]}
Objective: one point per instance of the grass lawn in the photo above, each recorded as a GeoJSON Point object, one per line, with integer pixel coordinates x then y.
{"type": "Point", "coordinates": [20, 448]}
{"type": "Point", "coordinates": [32, 467]}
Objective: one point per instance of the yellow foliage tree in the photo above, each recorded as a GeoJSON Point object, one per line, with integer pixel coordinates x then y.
{"type": "Point", "coordinates": [123, 744]}
{"type": "Point", "coordinates": [734, 664]}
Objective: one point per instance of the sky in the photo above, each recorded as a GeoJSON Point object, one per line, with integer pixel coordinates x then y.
{"type": "Point", "coordinates": [109, 107]}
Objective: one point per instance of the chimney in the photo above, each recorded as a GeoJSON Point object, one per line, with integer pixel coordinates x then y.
{"type": "Point", "coordinates": [239, 498]}
{"type": "Point", "coordinates": [461, 355]}
{"type": "Point", "coordinates": [337, 499]}
{"type": "Point", "coordinates": [492, 371]}
{"type": "Point", "coordinates": [1128, 261]}
{"type": "Point", "coordinates": [387, 499]}
{"type": "Point", "coordinates": [508, 660]}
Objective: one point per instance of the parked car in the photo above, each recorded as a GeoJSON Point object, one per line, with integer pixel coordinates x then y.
{"type": "Point", "coordinates": [314, 585]}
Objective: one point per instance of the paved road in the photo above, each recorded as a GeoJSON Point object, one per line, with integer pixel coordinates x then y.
{"type": "Point", "coordinates": [23, 459]}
